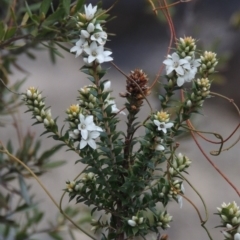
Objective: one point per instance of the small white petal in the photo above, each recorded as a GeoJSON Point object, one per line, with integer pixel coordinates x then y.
{"type": "Point", "coordinates": [92, 143]}
{"type": "Point", "coordinates": [107, 86]}
{"type": "Point", "coordinates": [83, 144]}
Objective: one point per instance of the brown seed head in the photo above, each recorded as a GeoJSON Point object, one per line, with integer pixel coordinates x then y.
{"type": "Point", "coordinates": [137, 84]}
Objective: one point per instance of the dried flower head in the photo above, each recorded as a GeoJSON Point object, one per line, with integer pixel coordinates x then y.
{"type": "Point", "coordinates": [137, 84]}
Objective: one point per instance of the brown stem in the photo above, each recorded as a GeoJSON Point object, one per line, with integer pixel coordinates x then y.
{"type": "Point", "coordinates": [6, 43]}
{"type": "Point", "coordinates": [216, 168]}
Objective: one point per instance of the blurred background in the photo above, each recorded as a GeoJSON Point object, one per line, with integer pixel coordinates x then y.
{"type": "Point", "coordinates": [141, 41]}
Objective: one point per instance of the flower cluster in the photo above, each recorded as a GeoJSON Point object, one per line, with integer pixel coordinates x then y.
{"type": "Point", "coordinates": [172, 191]}
{"type": "Point", "coordinates": [96, 224]}
{"type": "Point", "coordinates": [160, 125]}
{"type": "Point", "coordinates": [76, 186]}
{"type": "Point", "coordinates": [92, 38]}
{"type": "Point", "coordinates": [89, 177]}
{"type": "Point", "coordinates": [186, 47]}
{"type": "Point", "coordinates": [200, 91]}
{"type": "Point", "coordinates": [162, 121]}
{"type": "Point", "coordinates": [87, 132]}
{"type": "Point", "coordinates": [179, 164]}
{"type": "Point", "coordinates": [183, 69]}
{"type": "Point", "coordinates": [208, 63]}
{"type": "Point", "coordinates": [163, 220]}
{"type": "Point", "coordinates": [72, 115]}
{"type": "Point", "coordinates": [230, 216]}
{"type": "Point", "coordinates": [135, 221]}
{"type": "Point", "coordinates": [36, 105]}
{"type": "Point", "coordinates": [86, 98]}
{"type": "Point", "coordinates": [182, 66]}
{"type": "Point", "coordinates": [72, 186]}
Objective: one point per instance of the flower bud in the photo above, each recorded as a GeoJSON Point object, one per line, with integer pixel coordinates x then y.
{"type": "Point", "coordinates": [132, 223]}
{"type": "Point", "coordinates": [140, 220]}
{"type": "Point", "coordinates": [39, 118]}
{"type": "Point", "coordinates": [29, 93]}
{"type": "Point", "coordinates": [227, 235]}
{"type": "Point", "coordinates": [46, 123]}
{"type": "Point", "coordinates": [189, 103]}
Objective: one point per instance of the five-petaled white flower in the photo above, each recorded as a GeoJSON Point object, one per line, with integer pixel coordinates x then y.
{"type": "Point", "coordinates": [99, 37]}
{"type": "Point", "coordinates": [94, 52]}
{"type": "Point", "coordinates": [87, 125]}
{"type": "Point", "coordinates": [90, 11]}
{"type": "Point", "coordinates": [89, 140]}
{"type": "Point", "coordinates": [81, 44]}
{"type": "Point", "coordinates": [173, 62]}
{"type": "Point", "coordinates": [97, 53]}
{"type": "Point", "coordinates": [162, 126]}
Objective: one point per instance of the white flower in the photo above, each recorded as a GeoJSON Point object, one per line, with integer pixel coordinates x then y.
{"type": "Point", "coordinates": [94, 52]}
{"type": "Point", "coordinates": [132, 223]}
{"type": "Point", "coordinates": [175, 63]}
{"type": "Point", "coordinates": [237, 236]}
{"type": "Point", "coordinates": [90, 11]}
{"type": "Point", "coordinates": [89, 140]}
{"type": "Point", "coordinates": [162, 126]}
{"type": "Point", "coordinates": [189, 74]}
{"type": "Point", "coordinates": [99, 37]}
{"type": "Point", "coordinates": [97, 53]}
{"type": "Point", "coordinates": [81, 44]}
{"type": "Point", "coordinates": [86, 125]}
{"type": "Point", "coordinates": [114, 108]}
